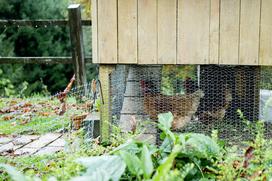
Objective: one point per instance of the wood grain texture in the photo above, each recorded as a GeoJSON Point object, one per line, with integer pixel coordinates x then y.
{"type": "Point", "coordinates": [147, 32]}
{"type": "Point", "coordinates": [249, 32]}
{"type": "Point", "coordinates": [214, 31]}
{"type": "Point", "coordinates": [107, 31]}
{"type": "Point", "coordinates": [193, 31]}
{"type": "Point", "coordinates": [127, 31]}
{"type": "Point", "coordinates": [167, 35]}
{"type": "Point", "coordinates": [94, 32]}
{"type": "Point", "coordinates": [229, 31]}
{"type": "Point", "coordinates": [105, 114]}
{"type": "Point", "coordinates": [265, 57]}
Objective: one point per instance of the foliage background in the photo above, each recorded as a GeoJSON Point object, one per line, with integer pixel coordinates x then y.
{"type": "Point", "coordinates": [25, 79]}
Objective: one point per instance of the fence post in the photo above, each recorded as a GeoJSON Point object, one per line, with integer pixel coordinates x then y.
{"type": "Point", "coordinates": [76, 37]}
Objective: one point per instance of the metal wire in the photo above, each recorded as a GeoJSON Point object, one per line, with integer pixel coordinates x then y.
{"type": "Point", "coordinates": [201, 98]}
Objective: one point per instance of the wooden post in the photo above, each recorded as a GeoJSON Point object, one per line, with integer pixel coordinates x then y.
{"type": "Point", "coordinates": [76, 37]}
{"type": "Point", "coordinates": [105, 110]}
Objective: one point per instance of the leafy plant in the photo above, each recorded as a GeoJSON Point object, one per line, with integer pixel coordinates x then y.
{"type": "Point", "coordinates": [186, 156]}
{"type": "Point", "coordinates": [181, 156]}
{"type": "Point", "coordinates": [103, 168]}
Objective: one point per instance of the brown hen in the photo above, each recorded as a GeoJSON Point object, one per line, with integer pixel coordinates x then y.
{"type": "Point", "coordinates": [183, 107]}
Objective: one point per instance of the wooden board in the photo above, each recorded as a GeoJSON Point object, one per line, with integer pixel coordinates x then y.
{"type": "Point", "coordinates": [249, 32]}
{"type": "Point", "coordinates": [229, 31]}
{"type": "Point", "coordinates": [94, 31]}
{"type": "Point", "coordinates": [193, 31]}
{"type": "Point", "coordinates": [265, 57]}
{"type": "Point", "coordinates": [107, 31]}
{"type": "Point", "coordinates": [214, 31]}
{"type": "Point", "coordinates": [105, 113]}
{"type": "Point", "coordinates": [127, 31]}
{"type": "Point", "coordinates": [167, 34]}
{"type": "Point", "coordinates": [147, 32]}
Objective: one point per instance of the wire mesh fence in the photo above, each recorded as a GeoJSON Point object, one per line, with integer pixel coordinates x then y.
{"type": "Point", "coordinates": [201, 98]}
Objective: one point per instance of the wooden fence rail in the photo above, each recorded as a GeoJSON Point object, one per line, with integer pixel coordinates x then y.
{"type": "Point", "coordinates": [75, 24]}
{"type": "Point", "coordinates": [40, 60]}
{"type": "Point", "coordinates": [40, 23]}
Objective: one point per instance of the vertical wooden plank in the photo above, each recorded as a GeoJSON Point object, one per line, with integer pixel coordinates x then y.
{"type": "Point", "coordinates": [105, 110]}
{"type": "Point", "coordinates": [94, 32]}
{"type": "Point", "coordinates": [249, 32]}
{"type": "Point", "coordinates": [214, 31]}
{"type": "Point", "coordinates": [229, 31]}
{"type": "Point", "coordinates": [127, 31]}
{"type": "Point", "coordinates": [76, 37]}
{"type": "Point", "coordinates": [147, 31]}
{"type": "Point", "coordinates": [193, 31]}
{"type": "Point", "coordinates": [107, 31]}
{"type": "Point", "coordinates": [265, 57]}
{"type": "Point", "coordinates": [167, 14]}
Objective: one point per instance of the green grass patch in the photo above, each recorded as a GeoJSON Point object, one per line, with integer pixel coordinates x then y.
{"type": "Point", "coordinates": [35, 115]}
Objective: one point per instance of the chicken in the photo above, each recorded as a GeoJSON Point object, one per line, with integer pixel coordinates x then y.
{"type": "Point", "coordinates": [189, 85]}
{"type": "Point", "coordinates": [218, 111]}
{"type": "Point", "coordinates": [183, 107]}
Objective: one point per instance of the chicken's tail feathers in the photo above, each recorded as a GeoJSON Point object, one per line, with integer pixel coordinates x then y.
{"type": "Point", "coordinates": [199, 93]}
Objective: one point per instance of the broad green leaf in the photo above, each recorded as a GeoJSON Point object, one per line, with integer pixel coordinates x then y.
{"type": "Point", "coordinates": [199, 146]}
{"type": "Point", "coordinates": [133, 162]}
{"type": "Point", "coordinates": [113, 165]}
{"type": "Point", "coordinates": [147, 163]}
{"type": "Point", "coordinates": [186, 170]}
{"type": "Point", "coordinates": [129, 146]}
{"type": "Point", "coordinates": [166, 119]}
{"type": "Point", "coordinates": [165, 123]}
{"type": "Point", "coordinates": [52, 179]}
{"type": "Point", "coordinates": [100, 175]}
{"type": "Point", "coordinates": [164, 168]}
{"type": "Point", "coordinates": [13, 173]}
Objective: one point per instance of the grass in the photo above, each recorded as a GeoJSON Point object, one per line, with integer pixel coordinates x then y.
{"type": "Point", "coordinates": [62, 165]}
{"type": "Point", "coordinates": [35, 115]}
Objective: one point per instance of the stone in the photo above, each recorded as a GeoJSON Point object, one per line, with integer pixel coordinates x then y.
{"type": "Point", "coordinates": [58, 143]}
{"type": "Point", "coordinates": [25, 151]}
{"type": "Point", "coordinates": [49, 150]}
{"type": "Point", "coordinates": [132, 105]}
{"type": "Point", "coordinates": [25, 139]}
{"type": "Point", "coordinates": [4, 140]}
{"type": "Point", "coordinates": [6, 147]}
{"type": "Point", "coordinates": [43, 140]}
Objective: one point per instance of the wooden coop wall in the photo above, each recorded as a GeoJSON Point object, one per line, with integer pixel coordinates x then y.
{"type": "Point", "coordinates": [237, 32]}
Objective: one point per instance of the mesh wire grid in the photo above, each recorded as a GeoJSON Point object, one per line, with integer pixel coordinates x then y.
{"type": "Point", "coordinates": [80, 105]}
{"type": "Point", "coordinates": [201, 98]}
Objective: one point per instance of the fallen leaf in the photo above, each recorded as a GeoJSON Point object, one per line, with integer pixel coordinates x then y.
{"type": "Point", "coordinates": [25, 121]}
{"type": "Point", "coordinates": [248, 156]}
{"type": "Point", "coordinates": [13, 102]}
{"type": "Point", "coordinates": [77, 120]}
{"type": "Point", "coordinates": [133, 124]}
{"type": "Point", "coordinates": [27, 104]}
{"type": "Point", "coordinates": [8, 117]}
{"type": "Point", "coordinates": [44, 113]}
{"type": "Point", "coordinates": [26, 109]}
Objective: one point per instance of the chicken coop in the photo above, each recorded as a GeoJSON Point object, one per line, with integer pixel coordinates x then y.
{"type": "Point", "coordinates": [202, 60]}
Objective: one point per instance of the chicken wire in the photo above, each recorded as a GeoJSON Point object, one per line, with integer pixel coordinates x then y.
{"type": "Point", "coordinates": [201, 98]}
{"type": "Point", "coordinates": [83, 110]}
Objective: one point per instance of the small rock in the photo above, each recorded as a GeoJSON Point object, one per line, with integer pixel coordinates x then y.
{"type": "Point", "coordinates": [49, 150]}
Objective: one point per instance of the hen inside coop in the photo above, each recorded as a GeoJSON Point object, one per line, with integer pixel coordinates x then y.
{"type": "Point", "coordinates": [201, 98]}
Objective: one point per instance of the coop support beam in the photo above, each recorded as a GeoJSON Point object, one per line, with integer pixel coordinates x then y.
{"type": "Point", "coordinates": [76, 36]}
{"type": "Point", "coordinates": [105, 111]}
